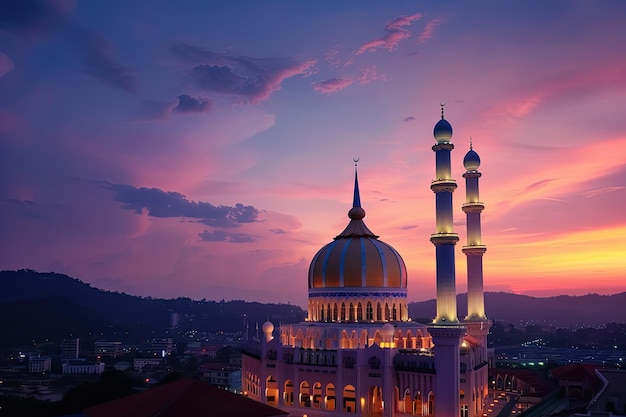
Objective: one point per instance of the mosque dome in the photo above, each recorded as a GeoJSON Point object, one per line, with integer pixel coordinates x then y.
{"type": "Point", "coordinates": [471, 160]}
{"type": "Point", "coordinates": [356, 258]}
{"type": "Point", "coordinates": [442, 131]}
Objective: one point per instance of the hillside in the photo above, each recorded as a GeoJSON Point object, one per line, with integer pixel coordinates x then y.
{"type": "Point", "coordinates": [563, 310]}
{"type": "Point", "coordinates": [53, 305]}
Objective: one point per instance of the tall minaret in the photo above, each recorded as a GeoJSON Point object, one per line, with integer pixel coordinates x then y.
{"type": "Point", "coordinates": [444, 239]}
{"type": "Point", "coordinates": [474, 249]}
{"type": "Point", "coordinates": [446, 331]}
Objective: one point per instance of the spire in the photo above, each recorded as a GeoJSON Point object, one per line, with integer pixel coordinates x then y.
{"type": "Point", "coordinates": [356, 227]}
{"type": "Point", "coordinates": [442, 106]}
{"type": "Point", "coordinates": [471, 147]}
{"type": "Point", "coordinates": [357, 197]}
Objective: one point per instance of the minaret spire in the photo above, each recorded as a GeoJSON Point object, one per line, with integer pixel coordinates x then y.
{"type": "Point", "coordinates": [356, 202]}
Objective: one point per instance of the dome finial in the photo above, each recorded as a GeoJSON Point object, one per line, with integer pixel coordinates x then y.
{"type": "Point", "coordinates": [356, 202]}
{"type": "Point", "coordinates": [471, 147]}
{"type": "Point", "coordinates": [442, 106]}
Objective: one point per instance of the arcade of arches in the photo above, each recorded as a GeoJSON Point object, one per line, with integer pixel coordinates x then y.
{"type": "Point", "coordinates": [324, 397]}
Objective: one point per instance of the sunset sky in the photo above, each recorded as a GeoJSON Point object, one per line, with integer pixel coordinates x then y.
{"type": "Point", "coordinates": [204, 149]}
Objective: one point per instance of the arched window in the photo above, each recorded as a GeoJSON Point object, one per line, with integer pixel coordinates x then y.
{"type": "Point", "coordinates": [328, 316]}
{"type": "Point", "coordinates": [335, 312]}
{"type": "Point", "coordinates": [322, 313]}
{"type": "Point", "coordinates": [359, 312]}
{"type": "Point", "coordinates": [351, 313]}
{"type": "Point", "coordinates": [379, 312]}
{"type": "Point", "coordinates": [343, 311]}
{"type": "Point", "coordinates": [387, 312]}
{"type": "Point", "coordinates": [369, 314]}
{"type": "Point", "coordinates": [394, 313]}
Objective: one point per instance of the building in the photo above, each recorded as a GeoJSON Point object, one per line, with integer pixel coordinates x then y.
{"type": "Point", "coordinates": [358, 351]}
{"type": "Point", "coordinates": [108, 348]}
{"type": "Point", "coordinates": [70, 349]}
{"type": "Point", "coordinates": [37, 364]}
{"type": "Point", "coordinates": [82, 367]}
{"type": "Point", "coordinates": [183, 397]}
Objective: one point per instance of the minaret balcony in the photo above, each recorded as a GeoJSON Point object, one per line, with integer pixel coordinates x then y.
{"type": "Point", "coordinates": [447, 146]}
{"type": "Point", "coordinates": [473, 207]}
{"type": "Point", "coordinates": [474, 249]}
{"type": "Point", "coordinates": [444, 238]}
{"type": "Point", "coordinates": [441, 185]}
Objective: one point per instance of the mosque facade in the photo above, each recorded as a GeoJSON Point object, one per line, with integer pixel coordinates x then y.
{"type": "Point", "coordinates": [358, 352]}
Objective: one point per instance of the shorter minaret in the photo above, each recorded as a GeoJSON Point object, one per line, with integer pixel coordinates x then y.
{"type": "Point", "coordinates": [476, 321]}
{"type": "Point", "coordinates": [474, 249]}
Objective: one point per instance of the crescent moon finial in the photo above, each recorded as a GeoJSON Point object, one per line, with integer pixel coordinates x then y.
{"type": "Point", "coordinates": [356, 160]}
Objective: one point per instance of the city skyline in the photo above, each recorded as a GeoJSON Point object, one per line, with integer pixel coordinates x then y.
{"type": "Point", "coordinates": [206, 151]}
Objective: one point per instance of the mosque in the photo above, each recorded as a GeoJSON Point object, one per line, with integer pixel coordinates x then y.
{"type": "Point", "coordinates": [358, 352]}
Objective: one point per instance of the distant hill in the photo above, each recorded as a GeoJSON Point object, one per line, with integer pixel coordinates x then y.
{"type": "Point", "coordinates": [563, 310]}
{"type": "Point", "coordinates": [50, 305]}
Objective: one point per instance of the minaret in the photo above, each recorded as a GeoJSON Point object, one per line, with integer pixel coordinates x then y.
{"type": "Point", "coordinates": [446, 331]}
{"type": "Point", "coordinates": [476, 321]}
{"type": "Point", "coordinates": [474, 249]}
{"type": "Point", "coordinates": [444, 239]}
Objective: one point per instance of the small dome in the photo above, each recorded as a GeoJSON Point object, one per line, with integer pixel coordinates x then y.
{"type": "Point", "coordinates": [442, 131]}
{"type": "Point", "coordinates": [471, 161]}
{"type": "Point", "coordinates": [387, 331]}
{"type": "Point", "coordinates": [268, 327]}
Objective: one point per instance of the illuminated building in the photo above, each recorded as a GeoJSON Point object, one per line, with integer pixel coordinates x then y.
{"type": "Point", "coordinates": [358, 351]}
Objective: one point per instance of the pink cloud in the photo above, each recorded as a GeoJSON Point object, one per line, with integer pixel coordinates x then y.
{"type": "Point", "coordinates": [427, 33]}
{"type": "Point", "coordinates": [370, 74]}
{"type": "Point", "coordinates": [6, 65]}
{"type": "Point", "coordinates": [395, 33]}
{"type": "Point", "coordinates": [332, 85]}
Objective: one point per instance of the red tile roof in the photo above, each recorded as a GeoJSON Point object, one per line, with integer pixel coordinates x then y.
{"type": "Point", "coordinates": [184, 397]}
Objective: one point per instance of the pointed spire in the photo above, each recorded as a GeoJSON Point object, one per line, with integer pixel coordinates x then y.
{"type": "Point", "coordinates": [356, 202]}
{"type": "Point", "coordinates": [356, 227]}
{"type": "Point", "coordinates": [442, 106]}
{"type": "Point", "coordinates": [471, 147]}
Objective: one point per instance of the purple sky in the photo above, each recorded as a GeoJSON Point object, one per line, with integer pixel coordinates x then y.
{"type": "Point", "coordinates": [201, 149]}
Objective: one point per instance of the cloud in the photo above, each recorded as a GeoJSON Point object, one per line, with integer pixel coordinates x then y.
{"type": "Point", "coordinates": [427, 33]}
{"type": "Point", "coordinates": [369, 74]}
{"type": "Point", "coordinates": [600, 191]}
{"type": "Point", "coordinates": [251, 79]}
{"type": "Point", "coordinates": [332, 85]}
{"type": "Point", "coordinates": [408, 119]}
{"type": "Point", "coordinates": [153, 110]}
{"type": "Point", "coordinates": [222, 236]}
{"type": "Point", "coordinates": [188, 104]}
{"type": "Point", "coordinates": [395, 33]}
{"type": "Point", "coordinates": [159, 203]}
{"type": "Point", "coordinates": [33, 19]}
{"type": "Point", "coordinates": [6, 65]}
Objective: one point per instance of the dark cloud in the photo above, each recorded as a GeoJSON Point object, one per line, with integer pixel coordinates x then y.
{"type": "Point", "coordinates": [153, 110]}
{"type": "Point", "coordinates": [278, 231]}
{"type": "Point", "coordinates": [408, 119]}
{"type": "Point", "coordinates": [252, 79]}
{"type": "Point", "coordinates": [331, 85]}
{"type": "Point", "coordinates": [99, 59]}
{"type": "Point", "coordinates": [188, 104]}
{"type": "Point", "coordinates": [222, 236]}
{"type": "Point", "coordinates": [32, 18]}
{"type": "Point", "coordinates": [38, 18]}
{"type": "Point", "coordinates": [159, 203]}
